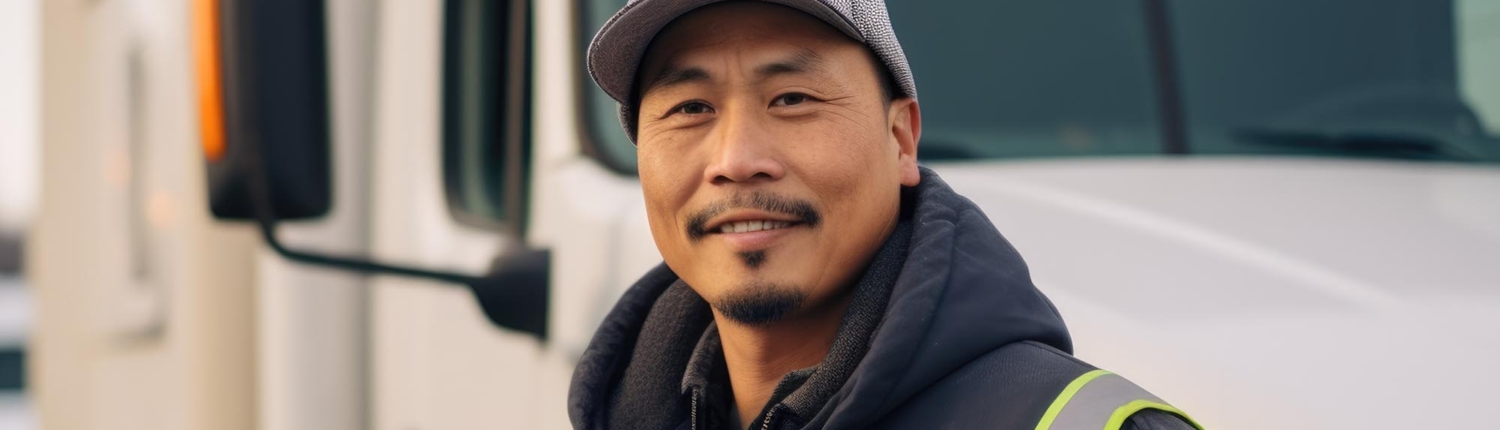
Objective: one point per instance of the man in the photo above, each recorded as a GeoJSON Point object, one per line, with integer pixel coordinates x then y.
{"type": "Point", "coordinates": [815, 275]}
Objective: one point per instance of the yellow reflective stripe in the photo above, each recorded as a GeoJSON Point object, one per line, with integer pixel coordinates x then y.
{"type": "Point", "coordinates": [1066, 395]}
{"type": "Point", "coordinates": [1117, 419]}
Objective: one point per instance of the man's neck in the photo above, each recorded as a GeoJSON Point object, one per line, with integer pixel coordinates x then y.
{"type": "Point", "coordinates": [759, 356]}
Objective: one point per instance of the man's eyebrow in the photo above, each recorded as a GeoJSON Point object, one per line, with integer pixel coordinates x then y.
{"type": "Point", "coordinates": [675, 75]}
{"type": "Point", "coordinates": [803, 61]}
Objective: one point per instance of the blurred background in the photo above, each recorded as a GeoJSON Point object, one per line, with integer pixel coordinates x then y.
{"type": "Point", "coordinates": [391, 214]}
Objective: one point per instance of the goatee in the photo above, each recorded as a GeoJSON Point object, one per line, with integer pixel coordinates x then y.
{"type": "Point", "coordinates": [760, 304]}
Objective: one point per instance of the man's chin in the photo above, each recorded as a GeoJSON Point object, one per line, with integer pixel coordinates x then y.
{"type": "Point", "coordinates": [759, 303]}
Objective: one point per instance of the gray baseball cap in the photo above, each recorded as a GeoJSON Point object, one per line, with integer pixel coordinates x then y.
{"type": "Point", "coordinates": [618, 48]}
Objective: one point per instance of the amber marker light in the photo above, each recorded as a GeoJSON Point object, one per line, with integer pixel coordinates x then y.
{"type": "Point", "coordinates": [210, 80]}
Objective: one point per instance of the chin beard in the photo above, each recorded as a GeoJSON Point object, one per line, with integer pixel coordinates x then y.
{"type": "Point", "coordinates": [759, 304]}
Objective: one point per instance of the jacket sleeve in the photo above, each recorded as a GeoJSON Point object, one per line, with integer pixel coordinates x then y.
{"type": "Point", "coordinates": [1153, 419]}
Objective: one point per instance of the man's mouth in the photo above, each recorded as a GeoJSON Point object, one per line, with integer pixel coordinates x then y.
{"type": "Point", "coordinates": [753, 226]}
{"type": "Point", "coordinates": [751, 236]}
{"type": "Point", "coordinates": [762, 213]}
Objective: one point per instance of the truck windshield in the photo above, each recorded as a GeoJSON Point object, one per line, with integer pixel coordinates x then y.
{"type": "Point", "coordinates": [999, 79]}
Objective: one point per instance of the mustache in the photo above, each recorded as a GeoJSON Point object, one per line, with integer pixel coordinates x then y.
{"type": "Point", "coordinates": [802, 210]}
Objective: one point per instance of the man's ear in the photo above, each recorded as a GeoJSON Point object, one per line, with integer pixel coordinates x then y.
{"type": "Point", "coordinates": [905, 118]}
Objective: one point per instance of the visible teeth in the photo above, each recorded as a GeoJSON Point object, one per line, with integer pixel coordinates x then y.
{"type": "Point", "coordinates": [749, 226]}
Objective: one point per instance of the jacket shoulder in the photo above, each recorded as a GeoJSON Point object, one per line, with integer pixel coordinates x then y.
{"type": "Point", "coordinates": [1012, 384]}
{"type": "Point", "coordinates": [1020, 386]}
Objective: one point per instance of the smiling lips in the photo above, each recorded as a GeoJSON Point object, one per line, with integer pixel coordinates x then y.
{"type": "Point", "coordinates": [753, 226]}
{"type": "Point", "coordinates": [755, 234]}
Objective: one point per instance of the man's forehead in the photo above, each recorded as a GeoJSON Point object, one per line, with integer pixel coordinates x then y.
{"type": "Point", "coordinates": [770, 38]}
{"type": "Point", "coordinates": [759, 60]}
{"type": "Point", "coordinates": [758, 64]}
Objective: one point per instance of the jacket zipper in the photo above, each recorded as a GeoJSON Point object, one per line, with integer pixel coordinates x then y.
{"type": "Point", "coordinates": [766, 425]}
{"type": "Point", "coordinates": [694, 417]}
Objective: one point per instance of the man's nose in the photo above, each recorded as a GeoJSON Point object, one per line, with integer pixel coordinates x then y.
{"type": "Point", "coordinates": [744, 151]}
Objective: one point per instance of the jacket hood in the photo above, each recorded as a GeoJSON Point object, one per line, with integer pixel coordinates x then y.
{"type": "Point", "coordinates": [962, 291]}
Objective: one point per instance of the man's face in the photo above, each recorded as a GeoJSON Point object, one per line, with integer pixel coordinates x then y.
{"type": "Point", "coordinates": [771, 163]}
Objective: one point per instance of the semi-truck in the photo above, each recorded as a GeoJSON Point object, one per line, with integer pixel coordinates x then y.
{"type": "Point", "coordinates": [393, 214]}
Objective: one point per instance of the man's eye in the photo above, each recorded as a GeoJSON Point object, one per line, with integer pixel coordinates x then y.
{"type": "Point", "coordinates": [694, 108]}
{"type": "Point", "coordinates": [790, 99]}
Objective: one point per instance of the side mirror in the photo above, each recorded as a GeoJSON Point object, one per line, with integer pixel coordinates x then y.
{"type": "Point", "coordinates": [263, 105]}
{"type": "Point", "coordinates": [263, 102]}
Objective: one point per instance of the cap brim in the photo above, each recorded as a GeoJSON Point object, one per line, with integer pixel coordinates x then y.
{"type": "Point", "coordinates": [617, 50]}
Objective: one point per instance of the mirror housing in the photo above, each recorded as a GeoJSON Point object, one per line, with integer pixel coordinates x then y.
{"type": "Point", "coordinates": [515, 293]}
{"type": "Point", "coordinates": [263, 91]}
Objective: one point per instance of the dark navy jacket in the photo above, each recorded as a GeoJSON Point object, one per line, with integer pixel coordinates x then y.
{"type": "Point", "coordinates": [958, 338]}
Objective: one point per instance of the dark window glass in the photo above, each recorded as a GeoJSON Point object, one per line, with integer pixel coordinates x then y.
{"type": "Point", "coordinates": [485, 150]}
{"type": "Point", "coordinates": [1363, 78]}
{"type": "Point", "coordinates": [1030, 78]}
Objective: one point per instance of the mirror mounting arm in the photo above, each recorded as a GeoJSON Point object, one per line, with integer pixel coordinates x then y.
{"type": "Point", "coordinates": [513, 295]}
{"type": "Point", "coordinates": [265, 217]}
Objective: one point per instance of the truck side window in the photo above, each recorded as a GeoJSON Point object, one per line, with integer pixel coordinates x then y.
{"type": "Point", "coordinates": [486, 120]}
